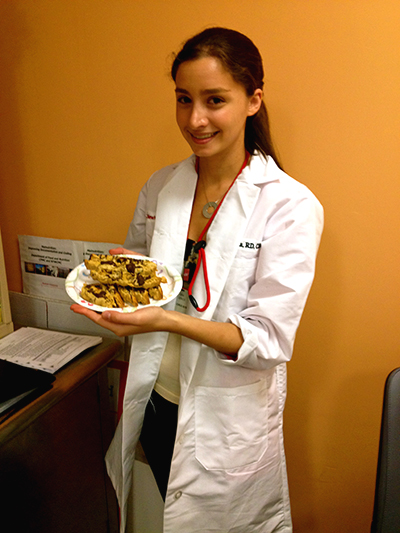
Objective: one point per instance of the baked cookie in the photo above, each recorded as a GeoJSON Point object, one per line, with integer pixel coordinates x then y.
{"type": "Point", "coordinates": [128, 296]}
{"type": "Point", "coordinates": [101, 295]}
{"type": "Point", "coordinates": [123, 281]}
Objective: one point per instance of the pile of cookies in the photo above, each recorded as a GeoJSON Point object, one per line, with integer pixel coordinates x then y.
{"type": "Point", "coordinates": [122, 281]}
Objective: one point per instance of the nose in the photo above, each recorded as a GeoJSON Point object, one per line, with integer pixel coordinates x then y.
{"type": "Point", "coordinates": [198, 117]}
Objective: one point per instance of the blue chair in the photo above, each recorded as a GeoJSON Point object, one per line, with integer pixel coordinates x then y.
{"type": "Point", "coordinates": [386, 514]}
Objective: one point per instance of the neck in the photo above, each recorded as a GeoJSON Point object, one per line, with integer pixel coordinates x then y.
{"type": "Point", "coordinates": [219, 172]}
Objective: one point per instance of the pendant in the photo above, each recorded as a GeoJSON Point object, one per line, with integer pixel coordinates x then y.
{"type": "Point", "coordinates": [209, 205]}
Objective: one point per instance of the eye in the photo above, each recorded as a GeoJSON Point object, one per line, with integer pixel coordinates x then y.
{"type": "Point", "coordinates": [216, 100]}
{"type": "Point", "coordinates": [183, 99]}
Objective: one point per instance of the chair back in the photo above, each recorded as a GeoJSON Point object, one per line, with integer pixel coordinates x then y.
{"type": "Point", "coordinates": [386, 515]}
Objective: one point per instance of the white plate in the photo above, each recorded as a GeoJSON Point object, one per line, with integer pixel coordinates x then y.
{"type": "Point", "coordinates": [81, 275]}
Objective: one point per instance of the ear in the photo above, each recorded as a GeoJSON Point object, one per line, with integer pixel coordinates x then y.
{"type": "Point", "coordinates": [255, 102]}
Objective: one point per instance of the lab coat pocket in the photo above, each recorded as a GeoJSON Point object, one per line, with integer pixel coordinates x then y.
{"type": "Point", "coordinates": [231, 425]}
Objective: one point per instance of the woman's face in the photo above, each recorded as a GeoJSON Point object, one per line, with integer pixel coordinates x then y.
{"type": "Point", "coordinates": [212, 108]}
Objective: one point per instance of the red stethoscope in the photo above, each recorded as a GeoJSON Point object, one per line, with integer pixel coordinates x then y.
{"type": "Point", "coordinates": [199, 248]}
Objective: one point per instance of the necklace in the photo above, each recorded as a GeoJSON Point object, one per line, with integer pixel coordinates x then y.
{"type": "Point", "coordinates": [209, 205]}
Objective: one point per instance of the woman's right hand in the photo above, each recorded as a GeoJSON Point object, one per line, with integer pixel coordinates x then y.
{"type": "Point", "coordinates": [122, 251]}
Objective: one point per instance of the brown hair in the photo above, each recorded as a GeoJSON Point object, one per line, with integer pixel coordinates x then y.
{"type": "Point", "coordinates": [241, 58]}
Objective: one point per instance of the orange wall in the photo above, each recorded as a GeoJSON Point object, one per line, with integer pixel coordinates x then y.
{"type": "Point", "coordinates": [87, 113]}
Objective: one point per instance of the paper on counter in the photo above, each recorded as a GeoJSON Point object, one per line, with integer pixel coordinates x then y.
{"type": "Point", "coordinates": [44, 349]}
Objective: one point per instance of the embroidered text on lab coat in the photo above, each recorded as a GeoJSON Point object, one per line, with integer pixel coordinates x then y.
{"type": "Point", "coordinates": [252, 245]}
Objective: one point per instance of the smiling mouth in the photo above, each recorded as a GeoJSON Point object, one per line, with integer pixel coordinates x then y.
{"type": "Point", "coordinates": [203, 137]}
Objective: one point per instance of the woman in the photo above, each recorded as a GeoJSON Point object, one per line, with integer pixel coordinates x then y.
{"type": "Point", "coordinates": [221, 352]}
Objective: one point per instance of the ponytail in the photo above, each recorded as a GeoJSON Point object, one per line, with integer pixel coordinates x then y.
{"type": "Point", "coordinates": [258, 135]}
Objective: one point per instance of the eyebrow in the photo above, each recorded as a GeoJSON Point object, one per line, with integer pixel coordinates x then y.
{"type": "Point", "coordinates": [217, 90]}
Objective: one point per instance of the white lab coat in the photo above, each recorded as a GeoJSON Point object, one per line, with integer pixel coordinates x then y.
{"type": "Point", "coordinates": [228, 472]}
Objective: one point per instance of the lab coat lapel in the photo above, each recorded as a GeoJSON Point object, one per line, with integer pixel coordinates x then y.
{"type": "Point", "coordinates": [173, 215]}
{"type": "Point", "coordinates": [174, 206]}
{"type": "Point", "coordinates": [228, 229]}
{"type": "Point", "coordinates": [223, 239]}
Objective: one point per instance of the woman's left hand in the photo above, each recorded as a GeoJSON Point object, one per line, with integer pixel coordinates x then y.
{"type": "Point", "coordinates": [143, 320]}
